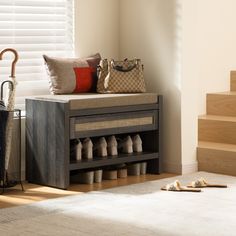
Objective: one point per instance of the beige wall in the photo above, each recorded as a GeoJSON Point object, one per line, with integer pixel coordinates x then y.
{"type": "Point", "coordinates": [190, 86]}
{"type": "Point", "coordinates": [97, 27]}
{"type": "Point", "coordinates": [215, 45]}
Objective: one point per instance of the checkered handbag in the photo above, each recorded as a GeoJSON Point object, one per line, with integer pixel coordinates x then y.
{"type": "Point", "coordinates": [121, 76]}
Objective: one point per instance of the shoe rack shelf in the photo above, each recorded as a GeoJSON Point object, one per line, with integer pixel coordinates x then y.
{"type": "Point", "coordinates": [51, 125]}
{"type": "Point", "coordinates": [112, 160]}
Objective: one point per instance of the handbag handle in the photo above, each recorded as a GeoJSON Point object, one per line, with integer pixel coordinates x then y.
{"type": "Point", "coordinates": [121, 69]}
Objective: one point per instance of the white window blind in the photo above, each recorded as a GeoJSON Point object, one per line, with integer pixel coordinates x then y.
{"type": "Point", "coordinates": [34, 28]}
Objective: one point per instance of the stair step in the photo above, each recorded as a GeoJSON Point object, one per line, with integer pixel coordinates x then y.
{"type": "Point", "coordinates": [222, 104]}
{"type": "Point", "coordinates": [218, 146]}
{"type": "Point", "coordinates": [216, 151]}
{"type": "Point", "coordinates": [233, 80]}
{"type": "Point", "coordinates": [219, 129]}
{"type": "Point", "coordinates": [217, 158]}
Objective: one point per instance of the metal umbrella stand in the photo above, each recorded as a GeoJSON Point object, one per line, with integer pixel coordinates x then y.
{"type": "Point", "coordinates": [7, 112]}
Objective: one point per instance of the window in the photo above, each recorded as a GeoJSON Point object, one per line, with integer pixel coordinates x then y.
{"type": "Point", "coordinates": [34, 28]}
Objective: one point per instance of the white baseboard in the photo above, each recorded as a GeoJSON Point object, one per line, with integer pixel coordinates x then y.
{"type": "Point", "coordinates": [178, 168]}
{"type": "Point", "coordinates": [190, 168]}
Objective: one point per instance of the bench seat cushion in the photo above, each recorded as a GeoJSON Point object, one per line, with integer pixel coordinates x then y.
{"type": "Point", "coordinates": [95, 100]}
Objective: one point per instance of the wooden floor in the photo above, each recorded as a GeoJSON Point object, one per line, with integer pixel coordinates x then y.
{"type": "Point", "coordinates": [33, 193]}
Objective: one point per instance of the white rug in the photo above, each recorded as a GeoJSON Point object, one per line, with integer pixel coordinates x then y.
{"type": "Point", "coordinates": [140, 209]}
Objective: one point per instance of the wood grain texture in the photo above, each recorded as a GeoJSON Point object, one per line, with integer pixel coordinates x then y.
{"type": "Point", "coordinates": [47, 143]}
{"type": "Point", "coordinates": [34, 193]}
{"type": "Point", "coordinates": [216, 158]}
{"type": "Point", "coordinates": [217, 146]}
{"type": "Point", "coordinates": [217, 129]}
{"type": "Point", "coordinates": [233, 81]}
{"type": "Point", "coordinates": [222, 104]}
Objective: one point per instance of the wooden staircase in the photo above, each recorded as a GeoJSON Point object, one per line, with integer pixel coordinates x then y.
{"type": "Point", "coordinates": [216, 151]}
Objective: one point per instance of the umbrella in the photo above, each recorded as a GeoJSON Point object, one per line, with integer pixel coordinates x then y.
{"type": "Point", "coordinates": [9, 104]}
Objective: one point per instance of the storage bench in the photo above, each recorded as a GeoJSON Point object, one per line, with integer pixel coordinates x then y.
{"type": "Point", "coordinates": [52, 121]}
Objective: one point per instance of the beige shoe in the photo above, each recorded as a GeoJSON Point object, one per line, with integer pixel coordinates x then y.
{"type": "Point", "coordinates": [109, 174]}
{"type": "Point", "coordinates": [101, 147]}
{"type": "Point", "coordinates": [98, 176]}
{"type": "Point", "coordinates": [126, 145]}
{"type": "Point", "coordinates": [137, 143]}
{"type": "Point", "coordinates": [87, 149]}
{"type": "Point", "coordinates": [143, 168]}
{"type": "Point", "coordinates": [134, 169]}
{"type": "Point", "coordinates": [176, 186]}
{"type": "Point", "coordinates": [78, 150]}
{"type": "Point", "coordinates": [122, 171]}
{"type": "Point", "coordinates": [112, 146]}
{"type": "Point", "coordinates": [202, 183]}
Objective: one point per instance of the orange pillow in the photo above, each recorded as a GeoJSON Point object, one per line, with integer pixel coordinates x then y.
{"type": "Point", "coordinates": [84, 79]}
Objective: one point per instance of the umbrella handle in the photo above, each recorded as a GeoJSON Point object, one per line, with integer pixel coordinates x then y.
{"type": "Point", "coordinates": [13, 64]}
{"type": "Point", "coordinates": [11, 86]}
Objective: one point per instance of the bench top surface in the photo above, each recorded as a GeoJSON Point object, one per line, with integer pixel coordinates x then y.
{"type": "Point", "coordinates": [95, 100]}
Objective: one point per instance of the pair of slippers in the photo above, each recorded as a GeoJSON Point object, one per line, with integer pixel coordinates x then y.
{"type": "Point", "coordinates": [195, 186]}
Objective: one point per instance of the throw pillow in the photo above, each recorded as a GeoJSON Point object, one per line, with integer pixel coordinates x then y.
{"type": "Point", "coordinates": [66, 74]}
{"type": "Point", "coordinates": [84, 79]}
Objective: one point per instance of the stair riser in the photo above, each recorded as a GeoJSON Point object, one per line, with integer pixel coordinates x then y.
{"type": "Point", "coordinates": [217, 131]}
{"type": "Point", "coordinates": [222, 105]}
{"type": "Point", "coordinates": [233, 80]}
{"type": "Point", "coordinates": [216, 161]}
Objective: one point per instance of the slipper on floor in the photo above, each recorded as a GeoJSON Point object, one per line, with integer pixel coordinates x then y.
{"type": "Point", "coordinates": [176, 186]}
{"type": "Point", "coordinates": [202, 183]}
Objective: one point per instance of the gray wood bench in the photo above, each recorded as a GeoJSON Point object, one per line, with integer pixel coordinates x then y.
{"type": "Point", "coordinates": [53, 120]}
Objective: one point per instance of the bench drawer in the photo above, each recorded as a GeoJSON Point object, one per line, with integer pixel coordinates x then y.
{"type": "Point", "coordinates": [89, 126]}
